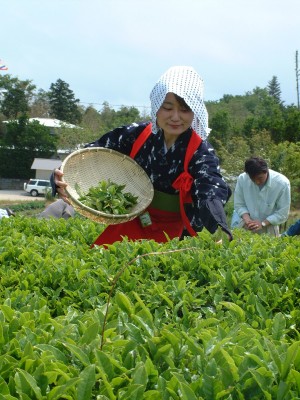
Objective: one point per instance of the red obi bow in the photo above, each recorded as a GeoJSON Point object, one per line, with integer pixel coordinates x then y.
{"type": "Point", "coordinates": [183, 183]}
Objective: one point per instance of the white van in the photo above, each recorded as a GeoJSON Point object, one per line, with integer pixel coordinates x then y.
{"type": "Point", "coordinates": [37, 186]}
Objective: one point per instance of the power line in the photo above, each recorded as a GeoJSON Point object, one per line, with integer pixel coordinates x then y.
{"type": "Point", "coordinates": [112, 105]}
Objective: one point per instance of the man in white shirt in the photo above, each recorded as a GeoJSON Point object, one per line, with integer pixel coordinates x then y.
{"type": "Point", "coordinates": [262, 198]}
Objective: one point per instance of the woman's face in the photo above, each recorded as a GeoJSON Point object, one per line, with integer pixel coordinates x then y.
{"type": "Point", "coordinates": [173, 118]}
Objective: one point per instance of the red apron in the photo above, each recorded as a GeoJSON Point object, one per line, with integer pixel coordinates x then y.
{"type": "Point", "coordinates": [165, 224]}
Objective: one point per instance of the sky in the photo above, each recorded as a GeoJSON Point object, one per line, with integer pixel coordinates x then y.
{"type": "Point", "coordinates": [115, 50]}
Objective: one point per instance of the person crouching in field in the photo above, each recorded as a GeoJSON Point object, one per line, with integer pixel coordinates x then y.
{"type": "Point", "coordinates": [262, 198]}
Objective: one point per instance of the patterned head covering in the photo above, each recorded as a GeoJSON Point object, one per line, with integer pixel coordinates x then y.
{"type": "Point", "coordinates": [186, 83]}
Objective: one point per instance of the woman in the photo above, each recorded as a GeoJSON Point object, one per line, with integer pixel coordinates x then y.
{"type": "Point", "coordinates": [189, 190]}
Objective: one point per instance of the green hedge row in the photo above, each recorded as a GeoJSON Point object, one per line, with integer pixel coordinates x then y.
{"type": "Point", "coordinates": [188, 319]}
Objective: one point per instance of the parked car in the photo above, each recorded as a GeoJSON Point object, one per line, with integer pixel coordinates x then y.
{"type": "Point", "coordinates": [37, 186]}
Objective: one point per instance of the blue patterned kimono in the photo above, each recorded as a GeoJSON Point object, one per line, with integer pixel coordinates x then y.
{"type": "Point", "coordinates": [209, 191]}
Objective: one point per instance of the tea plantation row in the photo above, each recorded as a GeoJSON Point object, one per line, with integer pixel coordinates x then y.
{"type": "Point", "coordinates": [188, 319]}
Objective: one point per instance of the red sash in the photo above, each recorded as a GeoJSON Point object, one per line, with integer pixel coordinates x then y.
{"type": "Point", "coordinates": [165, 224]}
{"type": "Point", "coordinates": [184, 181]}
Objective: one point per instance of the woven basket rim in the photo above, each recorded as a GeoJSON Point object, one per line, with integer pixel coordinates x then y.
{"type": "Point", "coordinates": [96, 213]}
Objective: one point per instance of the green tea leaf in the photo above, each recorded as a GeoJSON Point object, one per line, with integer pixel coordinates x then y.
{"type": "Point", "coordinates": [139, 375]}
{"type": "Point", "coordinates": [237, 310]}
{"type": "Point", "coordinates": [186, 392]}
{"type": "Point", "coordinates": [86, 383]}
{"type": "Point", "coordinates": [26, 384]}
{"type": "Point", "coordinates": [278, 326]}
{"type": "Point", "coordinates": [59, 391]}
{"type": "Point", "coordinates": [124, 303]}
{"type": "Point", "coordinates": [4, 389]}
{"type": "Point", "coordinates": [91, 333]}
{"type": "Point", "coordinates": [133, 392]}
{"type": "Point", "coordinates": [291, 354]}
{"type": "Point", "coordinates": [77, 353]}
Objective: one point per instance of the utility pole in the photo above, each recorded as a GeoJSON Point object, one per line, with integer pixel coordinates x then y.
{"type": "Point", "coordinates": [297, 79]}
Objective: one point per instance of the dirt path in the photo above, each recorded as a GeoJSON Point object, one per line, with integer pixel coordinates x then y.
{"type": "Point", "coordinates": [17, 195]}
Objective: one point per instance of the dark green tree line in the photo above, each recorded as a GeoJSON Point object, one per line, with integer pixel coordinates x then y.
{"type": "Point", "coordinates": [21, 142]}
{"type": "Point", "coordinates": [255, 123]}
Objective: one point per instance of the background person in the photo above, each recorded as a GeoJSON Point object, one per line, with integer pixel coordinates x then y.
{"type": "Point", "coordinates": [262, 198]}
{"type": "Point", "coordinates": [293, 230]}
{"type": "Point", "coordinates": [6, 213]}
{"type": "Point", "coordinates": [57, 209]}
{"type": "Point", "coordinates": [179, 161]}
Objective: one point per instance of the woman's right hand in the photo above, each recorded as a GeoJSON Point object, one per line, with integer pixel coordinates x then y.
{"type": "Point", "coordinates": [60, 185]}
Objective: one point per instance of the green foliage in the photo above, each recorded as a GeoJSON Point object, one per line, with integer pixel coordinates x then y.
{"type": "Point", "coordinates": [24, 141]}
{"type": "Point", "coordinates": [274, 89]}
{"type": "Point", "coordinates": [91, 119]}
{"type": "Point", "coordinates": [111, 118]}
{"type": "Point", "coordinates": [63, 104]}
{"type": "Point", "coordinates": [267, 114]}
{"type": "Point", "coordinates": [108, 197]}
{"type": "Point", "coordinates": [140, 320]}
{"type": "Point", "coordinates": [221, 127]}
{"type": "Point", "coordinates": [286, 159]}
{"type": "Point", "coordinates": [17, 98]}
{"type": "Point", "coordinates": [255, 123]}
{"type": "Point", "coordinates": [262, 144]}
{"type": "Point", "coordinates": [14, 103]}
{"type": "Point", "coordinates": [292, 124]}
{"type": "Point", "coordinates": [233, 155]}
{"type": "Point", "coordinates": [71, 139]}
{"type": "Point", "coordinates": [95, 124]}
{"type": "Point", "coordinates": [40, 106]}
{"type": "Point", "coordinates": [27, 205]}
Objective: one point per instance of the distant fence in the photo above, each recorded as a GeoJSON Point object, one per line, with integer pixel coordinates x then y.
{"type": "Point", "coordinates": [12, 184]}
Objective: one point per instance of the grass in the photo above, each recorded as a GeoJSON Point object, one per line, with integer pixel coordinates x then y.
{"type": "Point", "coordinates": [25, 208]}
{"type": "Point", "coordinates": [32, 208]}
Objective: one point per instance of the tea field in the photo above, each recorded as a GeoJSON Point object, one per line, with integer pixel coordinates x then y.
{"type": "Point", "coordinates": [188, 319]}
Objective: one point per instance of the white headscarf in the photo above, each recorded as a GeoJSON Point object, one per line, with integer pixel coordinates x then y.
{"type": "Point", "coordinates": [186, 83]}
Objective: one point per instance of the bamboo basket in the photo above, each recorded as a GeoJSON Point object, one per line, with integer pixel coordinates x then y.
{"type": "Point", "coordinates": [87, 167]}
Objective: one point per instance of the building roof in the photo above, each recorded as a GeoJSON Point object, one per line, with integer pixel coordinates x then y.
{"type": "Point", "coordinates": [52, 123]}
{"type": "Point", "coordinates": [46, 164]}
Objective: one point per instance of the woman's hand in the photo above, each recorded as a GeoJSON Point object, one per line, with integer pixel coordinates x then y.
{"type": "Point", "coordinates": [60, 186]}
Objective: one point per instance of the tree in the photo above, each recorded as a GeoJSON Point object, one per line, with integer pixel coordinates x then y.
{"type": "Point", "coordinates": [111, 118]}
{"type": "Point", "coordinates": [24, 141]}
{"type": "Point", "coordinates": [267, 114]}
{"type": "Point", "coordinates": [232, 158]}
{"type": "Point", "coordinates": [127, 115]}
{"type": "Point", "coordinates": [220, 125]}
{"type": "Point", "coordinates": [91, 120]}
{"type": "Point", "coordinates": [95, 124]}
{"type": "Point", "coordinates": [71, 139]}
{"type": "Point", "coordinates": [274, 89]}
{"type": "Point", "coordinates": [63, 104]}
{"type": "Point", "coordinates": [292, 124]}
{"type": "Point", "coordinates": [261, 144]}
{"type": "Point", "coordinates": [17, 97]}
{"type": "Point", "coordinates": [285, 158]}
{"type": "Point", "coordinates": [40, 106]}
{"type": "Point", "coordinates": [14, 103]}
